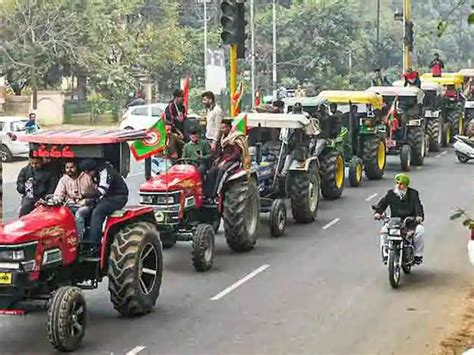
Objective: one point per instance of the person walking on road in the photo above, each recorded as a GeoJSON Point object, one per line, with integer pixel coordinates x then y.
{"type": "Point", "coordinates": [214, 117]}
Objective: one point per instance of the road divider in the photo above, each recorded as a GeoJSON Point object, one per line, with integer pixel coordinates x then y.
{"type": "Point", "coordinates": [330, 224]}
{"type": "Point", "coordinates": [240, 282]}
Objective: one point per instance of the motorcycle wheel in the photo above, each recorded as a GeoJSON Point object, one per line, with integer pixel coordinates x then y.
{"type": "Point", "coordinates": [394, 271]}
{"type": "Point", "coordinates": [462, 158]}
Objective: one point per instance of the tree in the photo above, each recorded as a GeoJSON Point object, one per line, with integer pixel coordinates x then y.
{"type": "Point", "coordinates": [39, 41]}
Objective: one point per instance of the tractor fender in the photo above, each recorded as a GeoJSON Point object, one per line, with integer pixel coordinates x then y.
{"type": "Point", "coordinates": [303, 166]}
{"type": "Point", "coordinates": [116, 220]}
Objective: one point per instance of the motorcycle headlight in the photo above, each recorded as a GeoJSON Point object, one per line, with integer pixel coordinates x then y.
{"type": "Point", "coordinates": [395, 232]}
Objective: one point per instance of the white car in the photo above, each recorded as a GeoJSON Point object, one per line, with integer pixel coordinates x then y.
{"type": "Point", "coordinates": [143, 116]}
{"type": "Point", "coordinates": [10, 129]}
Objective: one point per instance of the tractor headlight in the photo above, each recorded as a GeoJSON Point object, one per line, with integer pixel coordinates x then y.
{"type": "Point", "coordinates": [146, 199]}
{"type": "Point", "coordinates": [12, 255]}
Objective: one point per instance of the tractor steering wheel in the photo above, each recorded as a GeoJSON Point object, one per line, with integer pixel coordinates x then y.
{"type": "Point", "coordinates": [51, 201]}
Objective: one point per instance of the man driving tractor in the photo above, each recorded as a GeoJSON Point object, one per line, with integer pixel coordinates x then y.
{"type": "Point", "coordinates": [79, 189]}
{"type": "Point", "coordinates": [404, 202]}
{"type": "Point", "coordinates": [197, 149]}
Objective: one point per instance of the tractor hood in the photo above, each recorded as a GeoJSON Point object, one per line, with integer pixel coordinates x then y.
{"type": "Point", "coordinates": [178, 177]}
{"type": "Point", "coordinates": [42, 222]}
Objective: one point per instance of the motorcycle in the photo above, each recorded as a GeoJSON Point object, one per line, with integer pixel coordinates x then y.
{"type": "Point", "coordinates": [401, 250]}
{"type": "Point", "coordinates": [469, 223]}
{"type": "Point", "coordinates": [464, 148]}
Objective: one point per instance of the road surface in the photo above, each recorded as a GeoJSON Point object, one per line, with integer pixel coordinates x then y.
{"type": "Point", "coordinates": [320, 289]}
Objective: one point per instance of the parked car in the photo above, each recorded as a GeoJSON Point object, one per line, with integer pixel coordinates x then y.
{"type": "Point", "coordinates": [10, 129]}
{"type": "Point", "coordinates": [142, 116]}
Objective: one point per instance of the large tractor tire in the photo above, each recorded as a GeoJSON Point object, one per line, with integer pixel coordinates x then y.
{"type": "Point", "coordinates": [303, 188]}
{"type": "Point", "coordinates": [241, 215]}
{"type": "Point", "coordinates": [332, 175]}
{"type": "Point", "coordinates": [135, 269]}
{"type": "Point", "coordinates": [417, 142]}
{"type": "Point", "coordinates": [375, 157]}
{"type": "Point", "coordinates": [434, 130]}
{"type": "Point", "coordinates": [67, 318]}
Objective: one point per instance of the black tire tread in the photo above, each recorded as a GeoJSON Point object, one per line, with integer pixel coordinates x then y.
{"type": "Point", "coordinates": [297, 187]}
{"type": "Point", "coordinates": [432, 129]}
{"type": "Point", "coordinates": [202, 232]}
{"type": "Point", "coordinates": [235, 203]}
{"type": "Point", "coordinates": [415, 137]}
{"type": "Point", "coordinates": [329, 190]}
{"type": "Point", "coordinates": [122, 269]}
{"type": "Point", "coordinates": [57, 319]}
{"type": "Point", "coordinates": [370, 149]}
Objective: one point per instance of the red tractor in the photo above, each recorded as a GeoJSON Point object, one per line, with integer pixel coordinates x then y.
{"type": "Point", "coordinates": [182, 214]}
{"type": "Point", "coordinates": [39, 253]}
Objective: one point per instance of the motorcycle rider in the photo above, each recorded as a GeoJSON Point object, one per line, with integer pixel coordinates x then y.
{"type": "Point", "coordinates": [404, 202]}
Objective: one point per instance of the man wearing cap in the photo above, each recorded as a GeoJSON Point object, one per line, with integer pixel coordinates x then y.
{"type": "Point", "coordinates": [113, 195]}
{"type": "Point", "coordinates": [403, 202]}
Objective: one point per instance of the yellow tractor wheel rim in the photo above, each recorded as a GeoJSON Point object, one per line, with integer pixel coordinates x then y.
{"type": "Point", "coordinates": [339, 172]}
{"type": "Point", "coordinates": [381, 156]}
{"type": "Point", "coordinates": [359, 172]}
{"type": "Point", "coordinates": [461, 124]}
{"type": "Point", "coordinates": [448, 135]}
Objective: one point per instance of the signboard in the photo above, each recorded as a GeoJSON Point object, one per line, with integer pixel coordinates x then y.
{"type": "Point", "coordinates": [216, 79]}
{"type": "Point", "coordinates": [65, 151]}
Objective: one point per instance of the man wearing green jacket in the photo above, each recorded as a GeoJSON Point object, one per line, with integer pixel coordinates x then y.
{"type": "Point", "coordinates": [197, 149]}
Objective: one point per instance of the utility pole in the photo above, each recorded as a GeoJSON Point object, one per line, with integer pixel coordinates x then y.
{"type": "Point", "coordinates": [205, 40]}
{"type": "Point", "coordinates": [274, 51]}
{"type": "Point", "coordinates": [252, 49]}
{"type": "Point", "coordinates": [406, 22]}
{"type": "Point", "coordinates": [377, 57]}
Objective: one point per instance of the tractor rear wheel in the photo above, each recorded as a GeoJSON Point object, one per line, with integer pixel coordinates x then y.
{"type": "Point", "coordinates": [332, 175]}
{"type": "Point", "coordinates": [374, 157]}
{"type": "Point", "coordinates": [434, 130]}
{"type": "Point", "coordinates": [135, 269]}
{"type": "Point", "coordinates": [241, 214]}
{"type": "Point", "coordinates": [417, 142]}
{"type": "Point", "coordinates": [303, 188]}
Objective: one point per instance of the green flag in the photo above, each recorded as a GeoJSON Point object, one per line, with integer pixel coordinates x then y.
{"type": "Point", "coordinates": [154, 143]}
{"type": "Point", "coordinates": [239, 124]}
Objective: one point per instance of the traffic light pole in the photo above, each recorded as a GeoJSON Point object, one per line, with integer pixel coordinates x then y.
{"type": "Point", "coordinates": [406, 50]}
{"type": "Point", "coordinates": [233, 76]}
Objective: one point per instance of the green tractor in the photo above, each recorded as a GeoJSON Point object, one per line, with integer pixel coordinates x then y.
{"type": "Point", "coordinates": [362, 131]}
{"type": "Point", "coordinates": [329, 148]}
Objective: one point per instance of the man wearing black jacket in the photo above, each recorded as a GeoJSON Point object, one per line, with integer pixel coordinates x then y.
{"type": "Point", "coordinates": [113, 192]}
{"type": "Point", "coordinates": [403, 202]}
{"type": "Point", "coordinates": [33, 183]}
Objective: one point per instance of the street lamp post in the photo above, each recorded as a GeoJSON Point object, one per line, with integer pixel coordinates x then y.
{"type": "Point", "coordinates": [204, 3]}
{"type": "Point", "coordinates": [252, 49]}
{"type": "Point", "coordinates": [274, 51]}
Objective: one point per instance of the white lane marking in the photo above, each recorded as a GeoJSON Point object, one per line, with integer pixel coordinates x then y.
{"type": "Point", "coordinates": [136, 350]}
{"type": "Point", "coordinates": [240, 282]}
{"type": "Point", "coordinates": [438, 156]}
{"type": "Point", "coordinates": [371, 197]}
{"type": "Point", "coordinates": [418, 167]}
{"type": "Point", "coordinates": [444, 153]}
{"type": "Point", "coordinates": [330, 224]}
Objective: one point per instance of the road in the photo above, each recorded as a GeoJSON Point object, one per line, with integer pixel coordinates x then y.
{"type": "Point", "coordinates": [320, 289]}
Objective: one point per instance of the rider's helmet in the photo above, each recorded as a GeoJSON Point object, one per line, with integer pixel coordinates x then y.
{"type": "Point", "coordinates": [402, 179]}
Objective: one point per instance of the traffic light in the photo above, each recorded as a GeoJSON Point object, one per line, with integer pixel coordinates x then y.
{"type": "Point", "coordinates": [233, 25]}
{"type": "Point", "coordinates": [409, 35]}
